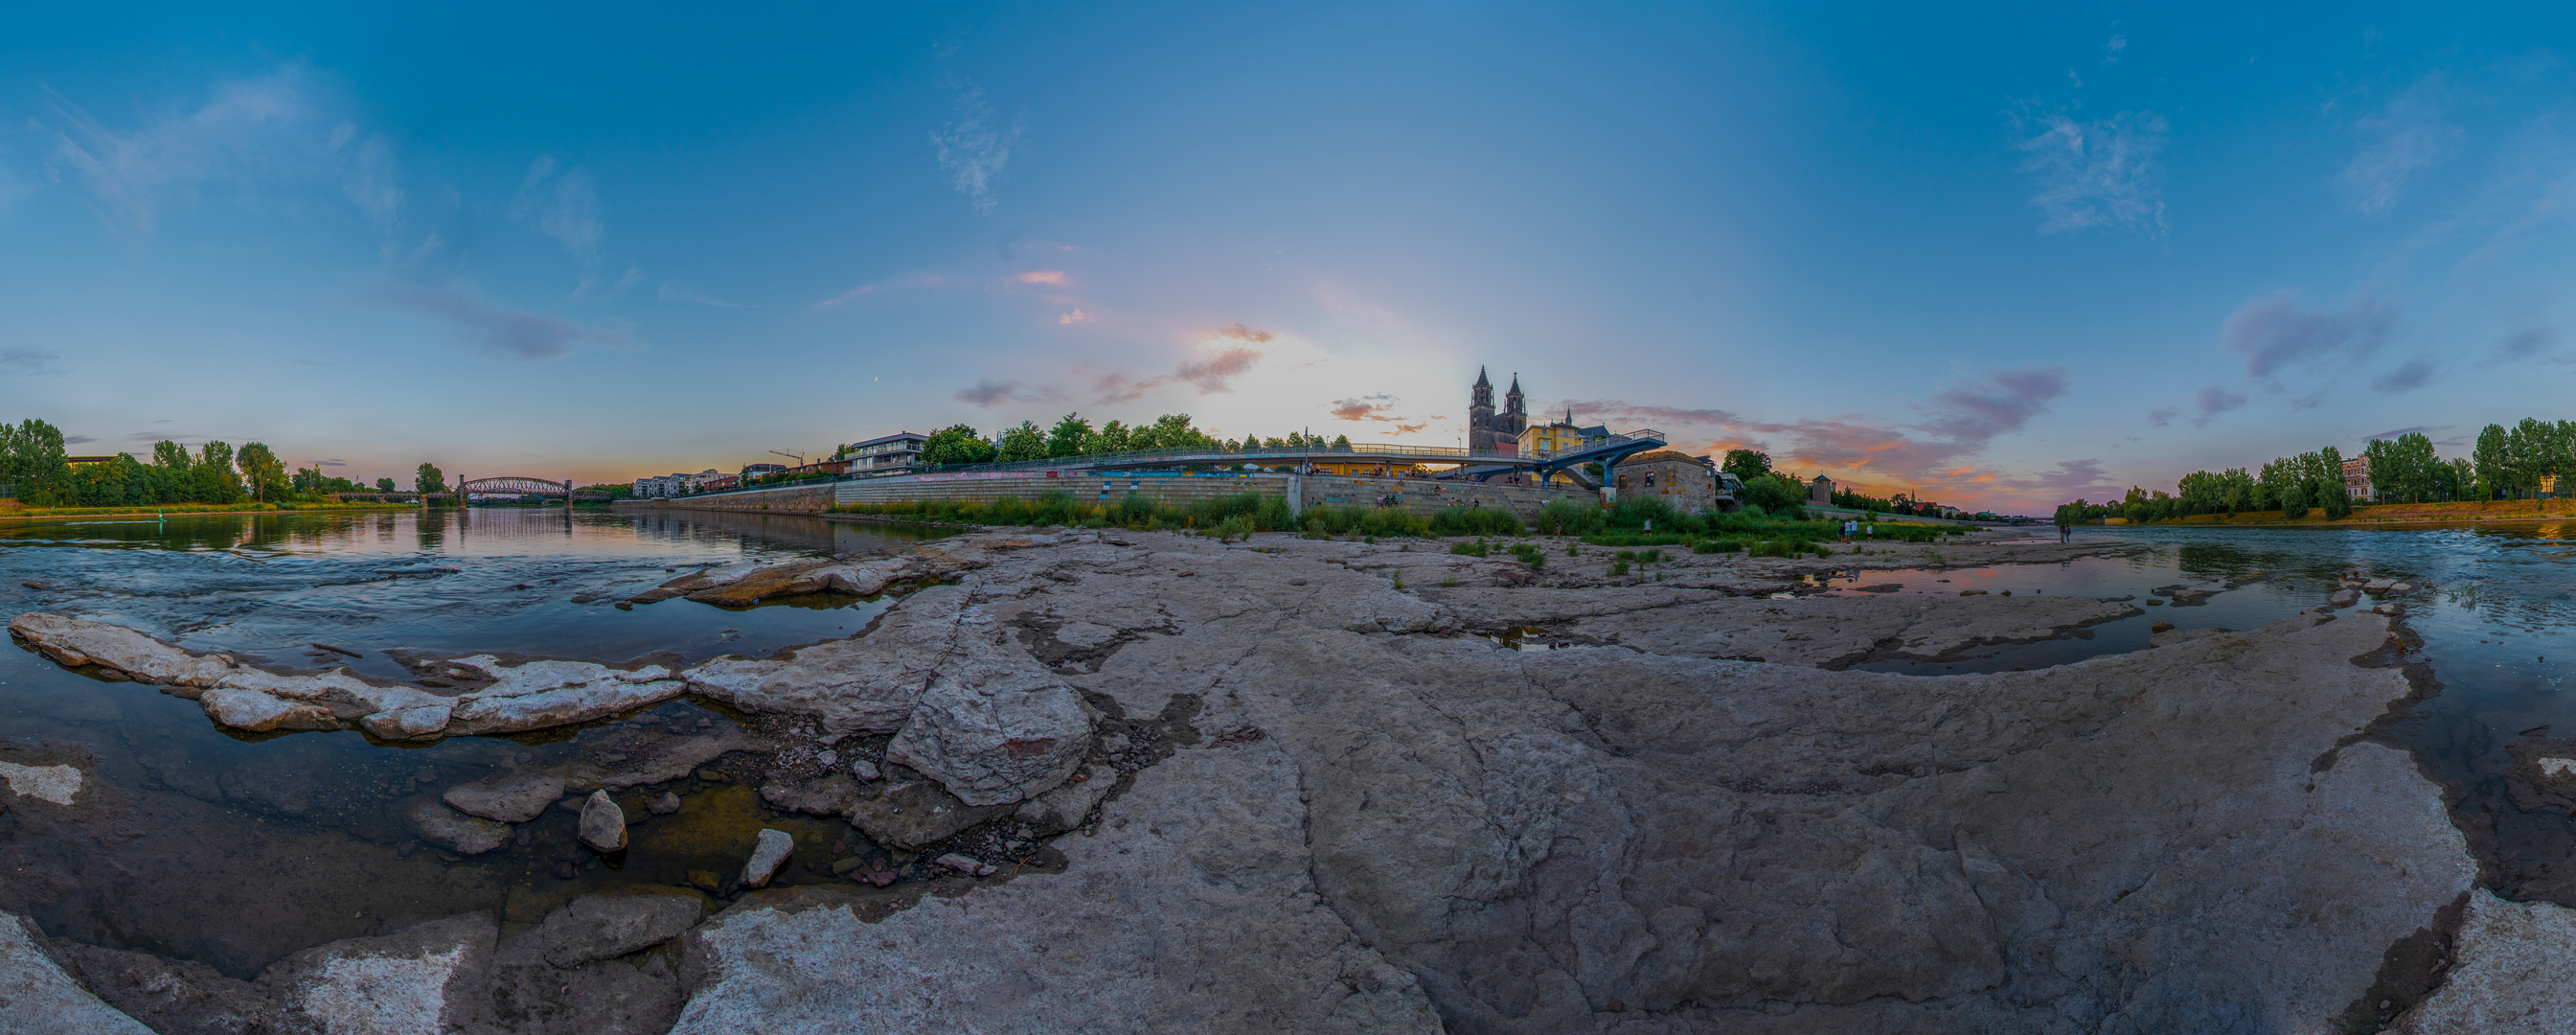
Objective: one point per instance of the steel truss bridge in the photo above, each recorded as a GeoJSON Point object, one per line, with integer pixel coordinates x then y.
{"type": "Point", "coordinates": [1474, 464]}
{"type": "Point", "coordinates": [520, 486]}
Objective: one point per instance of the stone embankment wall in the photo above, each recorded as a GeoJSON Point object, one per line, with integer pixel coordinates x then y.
{"type": "Point", "coordinates": [1165, 489]}
{"type": "Point", "coordinates": [1429, 496]}
{"type": "Point", "coordinates": [1417, 495]}
{"type": "Point", "coordinates": [790, 499]}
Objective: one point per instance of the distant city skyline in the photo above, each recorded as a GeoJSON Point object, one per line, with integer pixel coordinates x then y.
{"type": "Point", "coordinates": [2004, 259]}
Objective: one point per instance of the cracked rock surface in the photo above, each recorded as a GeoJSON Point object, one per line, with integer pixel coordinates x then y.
{"type": "Point", "coordinates": [1360, 814]}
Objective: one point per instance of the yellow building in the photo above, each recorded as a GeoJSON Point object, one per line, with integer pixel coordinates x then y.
{"type": "Point", "coordinates": [1552, 437]}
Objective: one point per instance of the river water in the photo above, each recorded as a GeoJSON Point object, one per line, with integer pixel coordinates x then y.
{"type": "Point", "coordinates": [235, 850]}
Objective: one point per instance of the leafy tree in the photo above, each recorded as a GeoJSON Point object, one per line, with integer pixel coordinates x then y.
{"type": "Point", "coordinates": [215, 480]}
{"type": "Point", "coordinates": [1746, 464]}
{"type": "Point", "coordinates": [1113, 438]}
{"type": "Point", "coordinates": [1342, 443]}
{"type": "Point", "coordinates": [36, 464]}
{"type": "Point", "coordinates": [1025, 442]}
{"type": "Point", "coordinates": [2492, 461]}
{"type": "Point", "coordinates": [956, 444]}
{"type": "Point", "coordinates": [428, 479]}
{"type": "Point", "coordinates": [1069, 436]}
{"type": "Point", "coordinates": [265, 474]}
{"type": "Point", "coordinates": [387, 485]}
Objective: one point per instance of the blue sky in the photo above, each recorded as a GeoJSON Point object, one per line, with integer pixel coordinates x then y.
{"type": "Point", "coordinates": [2006, 258]}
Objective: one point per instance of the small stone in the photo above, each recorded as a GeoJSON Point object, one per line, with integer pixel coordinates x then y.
{"type": "Point", "coordinates": [967, 865]}
{"type": "Point", "coordinates": [706, 879]}
{"type": "Point", "coordinates": [603, 824]}
{"type": "Point", "coordinates": [424, 774]}
{"type": "Point", "coordinates": [843, 866]}
{"type": "Point", "coordinates": [2344, 598]}
{"type": "Point", "coordinates": [2006, 593]}
{"type": "Point", "coordinates": [827, 759]}
{"type": "Point", "coordinates": [2161, 627]}
{"type": "Point", "coordinates": [711, 776]}
{"type": "Point", "coordinates": [665, 805]}
{"type": "Point", "coordinates": [866, 770]}
{"type": "Point", "coordinates": [766, 858]}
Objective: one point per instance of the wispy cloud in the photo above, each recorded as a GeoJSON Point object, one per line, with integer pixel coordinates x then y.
{"type": "Point", "coordinates": [975, 146]}
{"type": "Point", "coordinates": [989, 393]}
{"type": "Point", "coordinates": [1075, 316]}
{"type": "Point", "coordinates": [2160, 418]}
{"type": "Point", "coordinates": [2101, 173]}
{"type": "Point", "coordinates": [28, 362]}
{"type": "Point", "coordinates": [905, 282]}
{"type": "Point", "coordinates": [675, 293]}
{"type": "Point", "coordinates": [2213, 401]}
{"type": "Point", "coordinates": [501, 330]}
{"type": "Point", "coordinates": [2406, 378]}
{"type": "Point", "coordinates": [566, 207]}
{"type": "Point", "coordinates": [1957, 423]}
{"type": "Point", "coordinates": [1366, 407]}
{"type": "Point", "coordinates": [276, 130]}
{"type": "Point", "coordinates": [1053, 277]}
{"type": "Point", "coordinates": [2408, 136]}
{"type": "Point", "coordinates": [1226, 356]}
{"type": "Point", "coordinates": [2529, 342]}
{"type": "Point", "coordinates": [2276, 332]}
{"type": "Point", "coordinates": [2418, 429]}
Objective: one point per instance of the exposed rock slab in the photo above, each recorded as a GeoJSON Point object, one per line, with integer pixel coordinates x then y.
{"type": "Point", "coordinates": [511, 800]}
{"type": "Point", "coordinates": [51, 784]}
{"type": "Point", "coordinates": [992, 726]}
{"type": "Point", "coordinates": [466, 835]}
{"type": "Point", "coordinates": [2509, 973]}
{"type": "Point", "coordinates": [38, 998]}
{"type": "Point", "coordinates": [1065, 807]}
{"type": "Point", "coordinates": [428, 978]}
{"type": "Point", "coordinates": [909, 811]}
{"type": "Point", "coordinates": [1237, 941]}
{"type": "Point", "coordinates": [598, 927]}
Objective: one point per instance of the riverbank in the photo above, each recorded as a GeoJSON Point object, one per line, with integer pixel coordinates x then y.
{"type": "Point", "coordinates": [2389, 515]}
{"type": "Point", "coordinates": [1318, 785]}
{"type": "Point", "coordinates": [176, 509]}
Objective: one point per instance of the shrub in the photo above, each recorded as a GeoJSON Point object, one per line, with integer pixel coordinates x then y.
{"type": "Point", "coordinates": [1618, 568]}
{"type": "Point", "coordinates": [1474, 549]}
{"type": "Point", "coordinates": [1716, 546]}
{"type": "Point", "coordinates": [1569, 517]}
{"type": "Point", "coordinates": [1478, 521]}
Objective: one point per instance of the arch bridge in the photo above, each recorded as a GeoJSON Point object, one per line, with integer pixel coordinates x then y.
{"type": "Point", "coordinates": [524, 486]}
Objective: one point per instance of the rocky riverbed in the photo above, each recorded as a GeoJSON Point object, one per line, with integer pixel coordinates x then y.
{"type": "Point", "coordinates": [1145, 782]}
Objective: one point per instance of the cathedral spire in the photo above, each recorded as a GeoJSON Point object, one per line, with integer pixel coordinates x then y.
{"type": "Point", "coordinates": [1481, 381]}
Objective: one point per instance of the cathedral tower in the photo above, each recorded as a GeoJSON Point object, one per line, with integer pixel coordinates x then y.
{"type": "Point", "coordinates": [1480, 415]}
{"type": "Point", "coordinates": [1513, 420]}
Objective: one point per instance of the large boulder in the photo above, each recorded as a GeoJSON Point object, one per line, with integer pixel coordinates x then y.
{"type": "Point", "coordinates": [466, 835]}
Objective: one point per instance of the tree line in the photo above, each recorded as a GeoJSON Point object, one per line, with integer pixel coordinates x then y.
{"type": "Point", "coordinates": [35, 466]}
{"type": "Point", "coordinates": [2505, 463]}
{"type": "Point", "coordinates": [1075, 436]}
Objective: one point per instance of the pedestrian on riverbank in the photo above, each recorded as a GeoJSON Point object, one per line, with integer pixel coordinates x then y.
{"type": "Point", "coordinates": [1851, 529]}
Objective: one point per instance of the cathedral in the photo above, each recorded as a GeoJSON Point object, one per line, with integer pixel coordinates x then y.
{"type": "Point", "coordinates": [1490, 432]}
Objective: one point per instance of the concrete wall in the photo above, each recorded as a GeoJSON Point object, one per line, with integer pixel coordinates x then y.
{"type": "Point", "coordinates": [1090, 487]}
{"type": "Point", "coordinates": [791, 499]}
{"type": "Point", "coordinates": [1429, 496]}
{"type": "Point", "coordinates": [1417, 495]}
